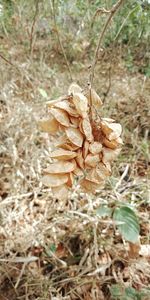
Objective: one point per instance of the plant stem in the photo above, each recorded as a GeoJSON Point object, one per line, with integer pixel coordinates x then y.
{"type": "Point", "coordinates": [59, 39]}
{"type": "Point", "coordinates": [111, 14]}
{"type": "Point", "coordinates": [33, 27]}
{"type": "Point", "coordinates": [6, 60]}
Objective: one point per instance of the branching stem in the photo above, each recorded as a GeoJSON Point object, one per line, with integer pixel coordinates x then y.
{"type": "Point", "coordinates": [110, 16]}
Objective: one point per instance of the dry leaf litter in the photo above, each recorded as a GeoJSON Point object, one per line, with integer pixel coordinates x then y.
{"type": "Point", "coordinates": [85, 143]}
{"type": "Point", "coordinates": [31, 217]}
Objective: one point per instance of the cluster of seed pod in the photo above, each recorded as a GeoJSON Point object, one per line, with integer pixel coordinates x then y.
{"type": "Point", "coordinates": [85, 144]}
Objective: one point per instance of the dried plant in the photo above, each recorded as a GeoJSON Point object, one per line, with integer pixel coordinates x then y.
{"type": "Point", "coordinates": [85, 143]}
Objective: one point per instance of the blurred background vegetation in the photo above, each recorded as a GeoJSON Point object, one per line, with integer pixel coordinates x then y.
{"type": "Point", "coordinates": [79, 27]}
{"type": "Point", "coordinates": [41, 43]}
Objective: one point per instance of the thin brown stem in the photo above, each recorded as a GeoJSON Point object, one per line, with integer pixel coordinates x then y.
{"type": "Point", "coordinates": [99, 11]}
{"type": "Point", "coordinates": [6, 60]}
{"type": "Point", "coordinates": [59, 40]}
{"type": "Point", "coordinates": [111, 14]}
{"type": "Point", "coordinates": [109, 84]}
{"type": "Point", "coordinates": [33, 27]}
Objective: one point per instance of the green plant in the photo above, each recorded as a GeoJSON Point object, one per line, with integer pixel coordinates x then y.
{"type": "Point", "coordinates": [119, 292]}
{"type": "Point", "coordinates": [125, 218]}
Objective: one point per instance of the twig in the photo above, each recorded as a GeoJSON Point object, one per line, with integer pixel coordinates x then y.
{"type": "Point", "coordinates": [95, 219]}
{"type": "Point", "coordinates": [19, 259]}
{"type": "Point", "coordinates": [109, 84]}
{"type": "Point", "coordinates": [10, 63]}
{"type": "Point", "coordinates": [20, 275]}
{"type": "Point", "coordinates": [95, 244]}
{"type": "Point", "coordinates": [6, 60]}
{"type": "Point", "coordinates": [33, 26]}
{"type": "Point", "coordinates": [111, 14]}
{"type": "Point", "coordinates": [122, 25]}
{"type": "Point", "coordinates": [122, 177]}
{"type": "Point", "coordinates": [99, 11]}
{"type": "Point", "coordinates": [59, 38]}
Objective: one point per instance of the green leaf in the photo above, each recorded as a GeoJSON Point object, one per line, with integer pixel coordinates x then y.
{"type": "Point", "coordinates": [116, 290]}
{"type": "Point", "coordinates": [130, 293]}
{"type": "Point", "coordinates": [50, 249]}
{"type": "Point", "coordinates": [53, 248]}
{"type": "Point", "coordinates": [43, 93]}
{"type": "Point", "coordinates": [104, 211]}
{"type": "Point", "coordinates": [130, 229]}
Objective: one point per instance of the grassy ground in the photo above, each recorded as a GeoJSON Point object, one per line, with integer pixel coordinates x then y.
{"type": "Point", "coordinates": [56, 250]}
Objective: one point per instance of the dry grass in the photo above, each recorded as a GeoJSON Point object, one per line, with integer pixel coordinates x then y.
{"type": "Point", "coordinates": [65, 250]}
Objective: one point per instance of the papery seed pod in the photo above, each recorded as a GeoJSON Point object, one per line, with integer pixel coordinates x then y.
{"type": "Point", "coordinates": [78, 172]}
{"type": "Point", "coordinates": [62, 154]}
{"type": "Point", "coordinates": [93, 176]}
{"type": "Point", "coordinates": [53, 180]}
{"type": "Point", "coordinates": [103, 171]}
{"type": "Point", "coordinates": [66, 106]}
{"type": "Point", "coordinates": [74, 121]}
{"type": "Point", "coordinates": [74, 88]}
{"type": "Point", "coordinates": [110, 154]}
{"type": "Point", "coordinates": [60, 167]}
{"type": "Point", "coordinates": [92, 160]}
{"type": "Point", "coordinates": [111, 130]}
{"type": "Point", "coordinates": [108, 120]}
{"type": "Point", "coordinates": [87, 129]}
{"type": "Point", "coordinates": [97, 131]}
{"type": "Point", "coordinates": [95, 147]}
{"type": "Point", "coordinates": [79, 159]}
{"type": "Point", "coordinates": [75, 136]}
{"type": "Point", "coordinates": [61, 116]}
{"type": "Point", "coordinates": [113, 144]}
{"type": "Point", "coordinates": [81, 104]}
{"type": "Point", "coordinates": [49, 125]}
{"type": "Point", "coordinates": [70, 180]}
{"type": "Point", "coordinates": [60, 192]}
{"type": "Point", "coordinates": [91, 187]}
{"type": "Point", "coordinates": [93, 98]}
{"type": "Point", "coordinates": [64, 143]}
{"type": "Point", "coordinates": [85, 147]}
{"type": "Point", "coordinates": [70, 146]}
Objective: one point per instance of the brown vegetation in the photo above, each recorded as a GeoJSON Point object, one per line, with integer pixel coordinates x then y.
{"type": "Point", "coordinates": [52, 249]}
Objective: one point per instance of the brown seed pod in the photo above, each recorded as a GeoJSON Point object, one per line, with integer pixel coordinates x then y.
{"type": "Point", "coordinates": [49, 125]}
{"type": "Point", "coordinates": [95, 147]}
{"type": "Point", "coordinates": [87, 129]}
{"type": "Point", "coordinates": [113, 144]}
{"type": "Point", "coordinates": [110, 154]}
{"type": "Point", "coordinates": [74, 121]}
{"type": "Point", "coordinates": [60, 192]}
{"type": "Point", "coordinates": [92, 160]}
{"type": "Point", "coordinates": [79, 159]}
{"type": "Point", "coordinates": [75, 136]}
{"type": "Point", "coordinates": [74, 88]}
{"type": "Point", "coordinates": [53, 180]}
{"type": "Point", "coordinates": [66, 106]}
{"type": "Point", "coordinates": [70, 180]}
{"type": "Point", "coordinates": [62, 154]}
{"type": "Point", "coordinates": [60, 167]}
{"type": "Point", "coordinates": [93, 98]}
{"type": "Point", "coordinates": [91, 187]}
{"type": "Point", "coordinates": [111, 130]}
{"type": "Point", "coordinates": [61, 116]}
{"type": "Point", "coordinates": [85, 148]}
{"type": "Point", "coordinates": [81, 104]}
{"type": "Point", "coordinates": [85, 145]}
